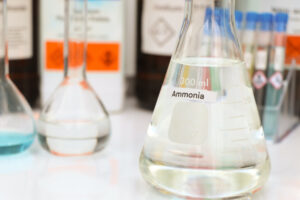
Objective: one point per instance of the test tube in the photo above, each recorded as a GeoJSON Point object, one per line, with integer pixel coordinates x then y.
{"type": "Point", "coordinates": [264, 38]}
{"type": "Point", "coordinates": [239, 23]}
{"type": "Point", "coordinates": [275, 75]}
{"type": "Point", "coordinates": [248, 41]}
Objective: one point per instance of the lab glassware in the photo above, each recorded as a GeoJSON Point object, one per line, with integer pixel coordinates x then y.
{"type": "Point", "coordinates": [262, 53]}
{"type": "Point", "coordinates": [275, 75]}
{"type": "Point", "coordinates": [205, 139]}
{"type": "Point", "coordinates": [74, 121]}
{"type": "Point", "coordinates": [17, 125]}
{"type": "Point", "coordinates": [239, 18]}
{"type": "Point", "coordinates": [248, 41]}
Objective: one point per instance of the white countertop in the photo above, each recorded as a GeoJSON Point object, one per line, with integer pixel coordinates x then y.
{"type": "Point", "coordinates": [113, 173]}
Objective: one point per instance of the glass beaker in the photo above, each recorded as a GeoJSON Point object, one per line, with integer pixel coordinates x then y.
{"type": "Point", "coordinates": [74, 121]}
{"type": "Point", "coordinates": [17, 126]}
{"type": "Point", "coordinates": [205, 139]}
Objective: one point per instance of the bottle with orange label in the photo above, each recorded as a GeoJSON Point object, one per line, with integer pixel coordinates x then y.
{"type": "Point", "coordinates": [104, 49]}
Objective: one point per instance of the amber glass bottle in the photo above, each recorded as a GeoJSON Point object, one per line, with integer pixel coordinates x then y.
{"type": "Point", "coordinates": [159, 22]}
{"type": "Point", "coordinates": [23, 44]}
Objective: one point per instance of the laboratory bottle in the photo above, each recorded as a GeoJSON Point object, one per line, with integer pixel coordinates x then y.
{"type": "Point", "coordinates": [158, 24]}
{"type": "Point", "coordinates": [74, 121]}
{"type": "Point", "coordinates": [23, 40]}
{"type": "Point", "coordinates": [205, 139]}
{"type": "Point", "coordinates": [248, 41]}
{"type": "Point", "coordinates": [106, 61]}
{"type": "Point", "coordinates": [239, 19]}
{"type": "Point", "coordinates": [262, 52]}
{"type": "Point", "coordinates": [275, 75]}
{"type": "Point", "coordinates": [17, 125]}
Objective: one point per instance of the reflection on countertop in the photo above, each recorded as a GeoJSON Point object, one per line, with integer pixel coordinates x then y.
{"type": "Point", "coordinates": [113, 174]}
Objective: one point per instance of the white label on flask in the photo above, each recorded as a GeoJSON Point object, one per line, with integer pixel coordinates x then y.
{"type": "Point", "coordinates": [248, 59]}
{"type": "Point", "coordinates": [161, 23]}
{"type": "Point", "coordinates": [196, 95]}
{"type": "Point", "coordinates": [19, 29]}
{"type": "Point", "coordinates": [189, 123]}
{"type": "Point", "coordinates": [279, 58]}
{"type": "Point", "coordinates": [261, 60]}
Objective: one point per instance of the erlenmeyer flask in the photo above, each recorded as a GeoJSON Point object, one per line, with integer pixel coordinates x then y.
{"type": "Point", "coordinates": [74, 121]}
{"type": "Point", "coordinates": [17, 126]}
{"type": "Point", "coordinates": [205, 139]}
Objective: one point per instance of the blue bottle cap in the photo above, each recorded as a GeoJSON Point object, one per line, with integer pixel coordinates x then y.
{"type": "Point", "coordinates": [251, 20]}
{"type": "Point", "coordinates": [219, 15]}
{"type": "Point", "coordinates": [281, 20]}
{"type": "Point", "coordinates": [208, 13]}
{"type": "Point", "coordinates": [239, 19]}
{"type": "Point", "coordinates": [266, 21]}
{"type": "Point", "coordinates": [239, 16]}
{"type": "Point", "coordinates": [207, 21]}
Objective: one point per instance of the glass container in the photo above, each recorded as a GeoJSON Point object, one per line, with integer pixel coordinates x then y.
{"type": "Point", "coordinates": [205, 139]}
{"type": "Point", "coordinates": [74, 121]}
{"type": "Point", "coordinates": [17, 125]}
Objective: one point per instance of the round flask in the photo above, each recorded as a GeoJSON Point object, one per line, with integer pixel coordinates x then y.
{"type": "Point", "coordinates": [74, 121]}
{"type": "Point", "coordinates": [17, 125]}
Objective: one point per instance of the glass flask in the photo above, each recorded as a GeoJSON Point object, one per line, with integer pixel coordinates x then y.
{"type": "Point", "coordinates": [17, 126]}
{"type": "Point", "coordinates": [74, 121]}
{"type": "Point", "coordinates": [205, 139]}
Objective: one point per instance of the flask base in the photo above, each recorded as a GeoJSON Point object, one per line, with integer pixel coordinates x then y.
{"type": "Point", "coordinates": [15, 143]}
{"type": "Point", "coordinates": [73, 147]}
{"type": "Point", "coordinates": [205, 183]}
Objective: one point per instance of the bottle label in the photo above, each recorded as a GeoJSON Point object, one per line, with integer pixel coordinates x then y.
{"type": "Point", "coordinates": [248, 59]}
{"type": "Point", "coordinates": [279, 58]}
{"type": "Point", "coordinates": [19, 29]}
{"type": "Point", "coordinates": [161, 23]}
{"type": "Point", "coordinates": [259, 80]}
{"type": "Point", "coordinates": [276, 80]}
{"type": "Point", "coordinates": [105, 35]}
{"type": "Point", "coordinates": [261, 60]}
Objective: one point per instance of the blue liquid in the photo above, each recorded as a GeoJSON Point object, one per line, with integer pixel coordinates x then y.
{"type": "Point", "coordinates": [12, 143]}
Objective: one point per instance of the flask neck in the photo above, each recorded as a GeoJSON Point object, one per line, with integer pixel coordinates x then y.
{"type": "Point", "coordinates": [75, 39]}
{"type": "Point", "coordinates": [3, 48]}
{"type": "Point", "coordinates": [209, 30]}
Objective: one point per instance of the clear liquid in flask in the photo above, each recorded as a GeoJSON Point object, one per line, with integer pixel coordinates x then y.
{"type": "Point", "coordinates": [205, 139]}
{"type": "Point", "coordinates": [74, 122]}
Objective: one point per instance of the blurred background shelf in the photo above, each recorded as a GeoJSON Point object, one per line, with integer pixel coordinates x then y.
{"type": "Point", "coordinates": [113, 174]}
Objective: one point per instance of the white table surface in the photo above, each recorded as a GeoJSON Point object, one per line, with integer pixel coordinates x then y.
{"type": "Point", "coordinates": [113, 173]}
